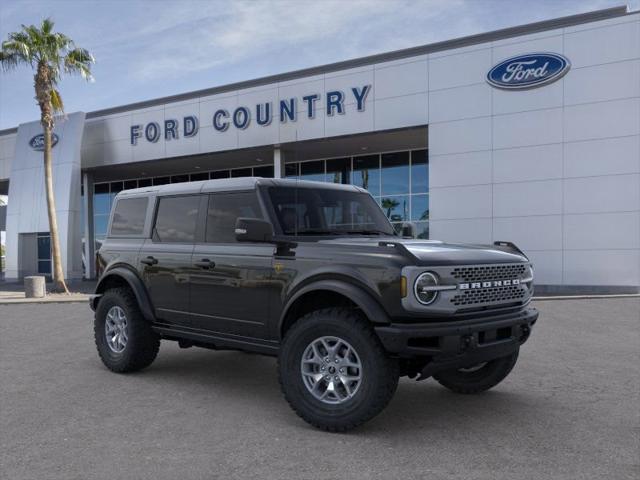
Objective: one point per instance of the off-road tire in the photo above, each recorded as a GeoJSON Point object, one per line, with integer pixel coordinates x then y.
{"type": "Point", "coordinates": [142, 344]}
{"type": "Point", "coordinates": [480, 380]}
{"type": "Point", "coordinates": [379, 372]}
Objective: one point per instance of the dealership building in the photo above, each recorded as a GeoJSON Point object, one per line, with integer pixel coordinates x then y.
{"type": "Point", "coordinates": [529, 134]}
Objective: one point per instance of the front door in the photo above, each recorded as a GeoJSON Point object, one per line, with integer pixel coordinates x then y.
{"type": "Point", "coordinates": [230, 291]}
{"type": "Point", "coordinates": [165, 259]}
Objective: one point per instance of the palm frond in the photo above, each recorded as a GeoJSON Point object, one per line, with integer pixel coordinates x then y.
{"type": "Point", "coordinates": [56, 101]}
{"type": "Point", "coordinates": [79, 61]}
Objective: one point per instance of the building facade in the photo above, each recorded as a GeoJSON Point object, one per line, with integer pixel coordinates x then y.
{"type": "Point", "coordinates": [529, 134]}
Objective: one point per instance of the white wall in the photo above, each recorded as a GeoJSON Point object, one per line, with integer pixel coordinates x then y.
{"type": "Point", "coordinates": [7, 151]}
{"type": "Point", "coordinates": [555, 169]}
{"type": "Point", "coordinates": [27, 208]}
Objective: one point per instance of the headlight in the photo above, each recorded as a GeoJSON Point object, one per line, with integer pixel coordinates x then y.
{"type": "Point", "coordinates": [426, 288]}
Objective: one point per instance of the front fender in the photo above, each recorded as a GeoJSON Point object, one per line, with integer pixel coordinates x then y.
{"type": "Point", "coordinates": [364, 300]}
{"type": "Point", "coordinates": [134, 282]}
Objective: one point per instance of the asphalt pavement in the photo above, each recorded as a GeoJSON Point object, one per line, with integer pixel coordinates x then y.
{"type": "Point", "coordinates": [569, 410]}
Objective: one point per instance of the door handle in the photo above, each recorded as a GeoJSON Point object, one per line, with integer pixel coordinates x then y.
{"type": "Point", "coordinates": [205, 263]}
{"type": "Point", "coordinates": [149, 260]}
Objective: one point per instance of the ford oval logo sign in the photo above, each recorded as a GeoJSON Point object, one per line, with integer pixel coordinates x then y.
{"type": "Point", "coordinates": [37, 142]}
{"type": "Point", "coordinates": [528, 71]}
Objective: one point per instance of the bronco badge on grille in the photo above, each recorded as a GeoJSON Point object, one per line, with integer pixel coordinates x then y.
{"type": "Point", "coordinates": [489, 284]}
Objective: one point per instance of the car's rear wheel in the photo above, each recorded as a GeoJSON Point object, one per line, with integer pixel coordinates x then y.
{"type": "Point", "coordinates": [478, 378]}
{"type": "Point", "coordinates": [333, 370]}
{"type": "Point", "coordinates": [124, 339]}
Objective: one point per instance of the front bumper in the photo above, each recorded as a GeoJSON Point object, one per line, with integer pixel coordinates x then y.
{"type": "Point", "coordinates": [459, 344]}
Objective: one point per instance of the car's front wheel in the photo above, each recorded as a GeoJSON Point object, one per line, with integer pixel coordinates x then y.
{"type": "Point", "coordinates": [124, 339]}
{"type": "Point", "coordinates": [333, 370]}
{"type": "Point", "coordinates": [478, 378]}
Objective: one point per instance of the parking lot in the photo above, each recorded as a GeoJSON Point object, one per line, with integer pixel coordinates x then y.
{"type": "Point", "coordinates": [569, 410]}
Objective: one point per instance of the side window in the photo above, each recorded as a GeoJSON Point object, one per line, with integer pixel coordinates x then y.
{"type": "Point", "coordinates": [176, 219]}
{"type": "Point", "coordinates": [224, 210]}
{"type": "Point", "coordinates": [129, 215]}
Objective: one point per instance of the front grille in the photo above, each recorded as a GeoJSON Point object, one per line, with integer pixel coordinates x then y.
{"type": "Point", "coordinates": [490, 295]}
{"type": "Point", "coordinates": [488, 272]}
{"type": "Point", "coordinates": [481, 289]}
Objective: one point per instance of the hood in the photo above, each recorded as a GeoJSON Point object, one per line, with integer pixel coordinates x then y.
{"type": "Point", "coordinates": [435, 252]}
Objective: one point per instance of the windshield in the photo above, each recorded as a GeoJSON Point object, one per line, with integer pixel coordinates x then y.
{"type": "Point", "coordinates": [327, 211]}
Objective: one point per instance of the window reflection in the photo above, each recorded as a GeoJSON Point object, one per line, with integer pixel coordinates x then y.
{"type": "Point", "coordinates": [366, 173]}
{"type": "Point", "coordinates": [419, 171]}
{"type": "Point", "coordinates": [338, 170]}
{"type": "Point", "coordinates": [395, 173]}
{"type": "Point", "coordinates": [419, 207]}
{"type": "Point", "coordinates": [396, 208]}
{"type": "Point", "coordinates": [313, 171]}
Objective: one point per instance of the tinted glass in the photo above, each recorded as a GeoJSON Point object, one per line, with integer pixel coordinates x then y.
{"type": "Point", "coordinates": [313, 171]}
{"type": "Point", "coordinates": [161, 180]}
{"type": "Point", "coordinates": [366, 173]}
{"type": "Point", "coordinates": [179, 178]}
{"type": "Point", "coordinates": [419, 171]}
{"type": "Point", "coordinates": [396, 208]}
{"type": "Point", "coordinates": [196, 177]}
{"type": "Point", "coordinates": [338, 170]}
{"type": "Point", "coordinates": [128, 217]}
{"type": "Point", "coordinates": [224, 210]}
{"type": "Point", "coordinates": [241, 172]}
{"type": "Point", "coordinates": [44, 266]}
{"type": "Point", "coordinates": [44, 247]}
{"type": "Point", "coordinates": [323, 211]}
{"type": "Point", "coordinates": [264, 172]}
{"type": "Point", "coordinates": [101, 199]}
{"type": "Point", "coordinates": [176, 219]}
{"type": "Point", "coordinates": [100, 225]}
{"type": "Point", "coordinates": [395, 173]}
{"type": "Point", "coordinates": [130, 184]}
{"type": "Point", "coordinates": [116, 187]}
{"type": "Point", "coordinates": [219, 174]}
{"type": "Point", "coordinates": [419, 207]}
{"type": "Point", "coordinates": [291, 170]}
{"type": "Point", "coordinates": [145, 182]}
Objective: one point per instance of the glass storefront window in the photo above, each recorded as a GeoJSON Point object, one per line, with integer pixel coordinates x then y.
{"type": "Point", "coordinates": [291, 170]}
{"type": "Point", "coordinates": [145, 182]}
{"type": "Point", "coordinates": [101, 199]}
{"type": "Point", "coordinates": [264, 172]}
{"type": "Point", "coordinates": [396, 208]}
{"type": "Point", "coordinates": [196, 177]}
{"type": "Point", "coordinates": [395, 173]}
{"type": "Point", "coordinates": [419, 171]}
{"type": "Point", "coordinates": [313, 171]}
{"type": "Point", "coordinates": [422, 230]}
{"type": "Point", "coordinates": [419, 207]}
{"type": "Point", "coordinates": [219, 174]}
{"type": "Point", "coordinates": [161, 180]}
{"type": "Point", "coordinates": [366, 173]}
{"type": "Point", "coordinates": [179, 178]}
{"type": "Point", "coordinates": [338, 170]}
{"type": "Point", "coordinates": [240, 172]}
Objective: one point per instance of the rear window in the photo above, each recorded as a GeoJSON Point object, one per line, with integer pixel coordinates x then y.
{"type": "Point", "coordinates": [129, 215]}
{"type": "Point", "coordinates": [176, 219]}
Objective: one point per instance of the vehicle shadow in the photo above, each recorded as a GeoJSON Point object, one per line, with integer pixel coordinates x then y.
{"type": "Point", "coordinates": [417, 406]}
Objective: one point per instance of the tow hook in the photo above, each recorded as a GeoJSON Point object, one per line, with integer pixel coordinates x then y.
{"type": "Point", "coordinates": [526, 331]}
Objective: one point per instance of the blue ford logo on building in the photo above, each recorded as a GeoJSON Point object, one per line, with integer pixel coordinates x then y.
{"type": "Point", "coordinates": [528, 71]}
{"type": "Point", "coordinates": [37, 142]}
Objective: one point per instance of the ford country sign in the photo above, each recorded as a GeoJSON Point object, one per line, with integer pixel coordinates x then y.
{"type": "Point", "coordinates": [37, 142]}
{"type": "Point", "coordinates": [528, 71]}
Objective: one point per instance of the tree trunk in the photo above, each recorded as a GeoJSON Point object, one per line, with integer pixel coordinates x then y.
{"type": "Point", "coordinates": [59, 284]}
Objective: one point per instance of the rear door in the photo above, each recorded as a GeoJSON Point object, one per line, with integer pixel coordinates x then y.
{"type": "Point", "coordinates": [165, 259]}
{"type": "Point", "coordinates": [230, 292]}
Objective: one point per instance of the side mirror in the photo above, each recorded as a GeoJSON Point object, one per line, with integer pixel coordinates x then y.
{"type": "Point", "coordinates": [253, 230]}
{"type": "Point", "coordinates": [408, 230]}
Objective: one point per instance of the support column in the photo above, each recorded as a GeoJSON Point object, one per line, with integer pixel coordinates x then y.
{"type": "Point", "coordinates": [278, 163]}
{"type": "Point", "coordinates": [89, 239]}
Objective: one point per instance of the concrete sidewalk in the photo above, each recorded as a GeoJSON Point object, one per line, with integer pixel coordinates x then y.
{"type": "Point", "coordinates": [11, 293]}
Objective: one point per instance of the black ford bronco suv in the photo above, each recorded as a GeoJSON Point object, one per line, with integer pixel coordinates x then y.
{"type": "Point", "coordinates": [314, 274]}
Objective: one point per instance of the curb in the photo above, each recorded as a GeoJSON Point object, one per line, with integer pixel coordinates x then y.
{"type": "Point", "coordinates": [22, 301]}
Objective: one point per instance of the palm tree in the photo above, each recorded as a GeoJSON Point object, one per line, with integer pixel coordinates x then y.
{"type": "Point", "coordinates": [50, 55]}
